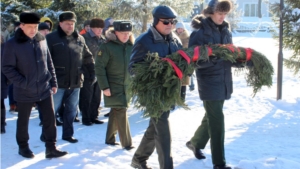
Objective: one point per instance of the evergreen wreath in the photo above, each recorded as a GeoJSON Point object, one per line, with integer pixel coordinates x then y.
{"type": "Point", "coordinates": [156, 83]}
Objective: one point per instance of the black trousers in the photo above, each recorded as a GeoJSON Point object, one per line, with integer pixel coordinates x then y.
{"type": "Point", "coordinates": [157, 136]}
{"type": "Point", "coordinates": [3, 115]}
{"type": "Point", "coordinates": [46, 108]}
{"type": "Point", "coordinates": [89, 101]}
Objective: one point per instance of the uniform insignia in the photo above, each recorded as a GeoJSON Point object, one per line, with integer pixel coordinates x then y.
{"type": "Point", "coordinates": [99, 53]}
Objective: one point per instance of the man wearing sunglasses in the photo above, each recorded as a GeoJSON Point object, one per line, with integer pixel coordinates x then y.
{"type": "Point", "coordinates": [159, 38]}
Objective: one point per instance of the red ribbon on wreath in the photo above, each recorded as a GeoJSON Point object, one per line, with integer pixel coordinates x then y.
{"type": "Point", "coordinates": [196, 54]}
{"type": "Point", "coordinates": [184, 55]}
{"type": "Point", "coordinates": [177, 70]}
{"type": "Point", "coordinates": [248, 53]}
{"type": "Point", "coordinates": [209, 51]}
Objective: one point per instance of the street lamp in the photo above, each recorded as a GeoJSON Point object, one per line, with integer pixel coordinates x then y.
{"type": "Point", "coordinates": [280, 55]}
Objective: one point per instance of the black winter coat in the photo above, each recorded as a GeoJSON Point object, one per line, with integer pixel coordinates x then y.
{"type": "Point", "coordinates": [152, 41]}
{"type": "Point", "coordinates": [4, 81]}
{"type": "Point", "coordinates": [68, 57]}
{"type": "Point", "coordinates": [27, 64]}
{"type": "Point", "coordinates": [214, 76]}
{"type": "Point", "coordinates": [93, 43]}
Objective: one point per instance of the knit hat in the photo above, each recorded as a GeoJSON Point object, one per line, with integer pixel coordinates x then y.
{"type": "Point", "coordinates": [97, 23]}
{"type": "Point", "coordinates": [43, 26]}
{"type": "Point", "coordinates": [29, 17]}
{"type": "Point", "coordinates": [67, 15]}
{"type": "Point", "coordinates": [180, 25]}
{"type": "Point", "coordinates": [122, 26]}
{"type": "Point", "coordinates": [87, 22]}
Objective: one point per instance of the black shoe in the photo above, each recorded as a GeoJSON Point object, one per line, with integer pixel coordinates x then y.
{"type": "Point", "coordinates": [87, 123]}
{"type": "Point", "coordinates": [97, 121]}
{"type": "Point", "coordinates": [106, 115]}
{"type": "Point", "coordinates": [197, 152]}
{"type": "Point", "coordinates": [139, 166]}
{"type": "Point", "coordinates": [221, 167]}
{"type": "Point", "coordinates": [71, 139]}
{"type": "Point", "coordinates": [76, 119]}
{"type": "Point", "coordinates": [42, 138]}
{"type": "Point", "coordinates": [3, 129]}
{"type": "Point", "coordinates": [54, 153]}
{"type": "Point", "coordinates": [113, 144]}
{"type": "Point", "coordinates": [128, 148]}
{"type": "Point", "coordinates": [58, 122]}
{"type": "Point", "coordinates": [41, 124]}
{"type": "Point", "coordinates": [26, 152]}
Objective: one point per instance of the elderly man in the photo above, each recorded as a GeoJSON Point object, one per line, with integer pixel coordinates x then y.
{"type": "Point", "coordinates": [159, 38]}
{"type": "Point", "coordinates": [29, 67]}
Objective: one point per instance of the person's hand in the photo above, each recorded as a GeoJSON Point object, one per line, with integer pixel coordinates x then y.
{"type": "Point", "coordinates": [106, 92]}
{"type": "Point", "coordinates": [54, 90]}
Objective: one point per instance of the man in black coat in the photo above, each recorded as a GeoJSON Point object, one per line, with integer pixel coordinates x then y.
{"type": "Point", "coordinates": [159, 38]}
{"type": "Point", "coordinates": [27, 64]}
{"type": "Point", "coordinates": [69, 54]}
{"type": "Point", "coordinates": [90, 94]}
{"type": "Point", "coordinates": [214, 79]}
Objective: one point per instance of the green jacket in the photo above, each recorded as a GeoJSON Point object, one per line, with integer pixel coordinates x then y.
{"type": "Point", "coordinates": [111, 69]}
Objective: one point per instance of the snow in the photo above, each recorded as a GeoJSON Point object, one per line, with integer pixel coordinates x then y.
{"type": "Point", "coordinates": [261, 132]}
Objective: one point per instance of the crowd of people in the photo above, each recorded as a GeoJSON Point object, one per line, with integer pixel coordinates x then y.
{"type": "Point", "coordinates": [64, 73]}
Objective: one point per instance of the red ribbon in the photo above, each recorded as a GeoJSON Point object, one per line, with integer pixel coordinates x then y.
{"type": "Point", "coordinates": [231, 48]}
{"type": "Point", "coordinates": [196, 54]}
{"type": "Point", "coordinates": [248, 53]}
{"type": "Point", "coordinates": [177, 70]}
{"type": "Point", "coordinates": [209, 51]}
{"type": "Point", "coordinates": [184, 55]}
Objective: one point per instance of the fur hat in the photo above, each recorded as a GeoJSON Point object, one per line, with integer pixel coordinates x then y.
{"type": "Point", "coordinates": [29, 17]}
{"type": "Point", "coordinates": [43, 26]}
{"type": "Point", "coordinates": [218, 6]}
{"type": "Point", "coordinates": [67, 15]}
{"type": "Point", "coordinates": [122, 26]}
{"type": "Point", "coordinates": [97, 23]}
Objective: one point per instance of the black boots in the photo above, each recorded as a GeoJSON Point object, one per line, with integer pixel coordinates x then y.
{"type": "Point", "coordinates": [26, 152]}
{"type": "Point", "coordinates": [3, 117]}
{"type": "Point", "coordinates": [54, 153]}
{"type": "Point", "coordinates": [71, 139]}
{"type": "Point", "coordinates": [221, 167]}
{"type": "Point", "coordinates": [139, 166]}
{"type": "Point", "coordinates": [197, 152]}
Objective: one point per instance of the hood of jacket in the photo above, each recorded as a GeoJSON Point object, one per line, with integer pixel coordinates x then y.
{"type": "Point", "coordinates": [197, 22]}
{"type": "Point", "coordinates": [111, 36]}
{"type": "Point", "coordinates": [44, 19]}
{"type": "Point", "coordinates": [21, 37]}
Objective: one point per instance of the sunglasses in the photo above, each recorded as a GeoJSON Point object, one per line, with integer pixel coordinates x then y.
{"type": "Point", "coordinates": [167, 22]}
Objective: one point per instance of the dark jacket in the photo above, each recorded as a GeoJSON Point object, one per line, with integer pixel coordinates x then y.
{"type": "Point", "coordinates": [93, 43]}
{"type": "Point", "coordinates": [152, 41]}
{"type": "Point", "coordinates": [4, 81]}
{"type": "Point", "coordinates": [27, 64]}
{"type": "Point", "coordinates": [214, 76]}
{"type": "Point", "coordinates": [111, 70]}
{"type": "Point", "coordinates": [68, 55]}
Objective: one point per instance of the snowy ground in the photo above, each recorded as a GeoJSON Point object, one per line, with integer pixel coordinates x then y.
{"type": "Point", "coordinates": [261, 132]}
